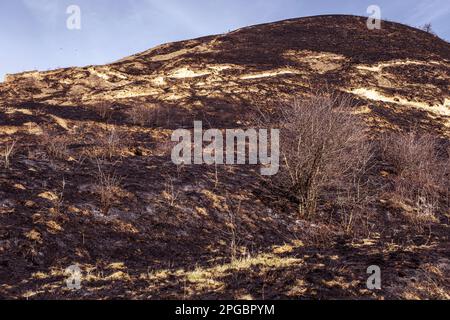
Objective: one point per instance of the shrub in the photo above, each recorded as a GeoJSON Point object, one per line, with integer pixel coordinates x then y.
{"type": "Point", "coordinates": [111, 142]}
{"type": "Point", "coordinates": [108, 185]}
{"type": "Point", "coordinates": [421, 178]}
{"type": "Point", "coordinates": [143, 115]}
{"type": "Point", "coordinates": [56, 146]}
{"type": "Point", "coordinates": [107, 144]}
{"type": "Point", "coordinates": [104, 110]}
{"type": "Point", "coordinates": [323, 149]}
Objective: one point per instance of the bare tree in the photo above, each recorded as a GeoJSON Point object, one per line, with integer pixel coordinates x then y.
{"type": "Point", "coordinates": [428, 28]}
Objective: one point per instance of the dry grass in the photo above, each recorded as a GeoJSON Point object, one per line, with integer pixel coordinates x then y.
{"type": "Point", "coordinates": [56, 146]}
{"type": "Point", "coordinates": [170, 194]}
{"type": "Point", "coordinates": [108, 185]}
{"type": "Point", "coordinates": [58, 202]}
{"type": "Point", "coordinates": [233, 212]}
{"type": "Point", "coordinates": [103, 109]}
{"type": "Point", "coordinates": [143, 115]}
{"type": "Point", "coordinates": [112, 142]}
{"type": "Point", "coordinates": [106, 145]}
{"type": "Point", "coordinates": [7, 153]}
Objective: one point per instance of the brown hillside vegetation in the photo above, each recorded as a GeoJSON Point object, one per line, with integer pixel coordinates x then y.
{"type": "Point", "coordinates": [86, 175]}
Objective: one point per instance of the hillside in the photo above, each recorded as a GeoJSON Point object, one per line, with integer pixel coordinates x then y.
{"type": "Point", "coordinates": [168, 229]}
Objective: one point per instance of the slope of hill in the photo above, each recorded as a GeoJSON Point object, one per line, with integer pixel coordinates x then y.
{"type": "Point", "coordinates": [170, 230]}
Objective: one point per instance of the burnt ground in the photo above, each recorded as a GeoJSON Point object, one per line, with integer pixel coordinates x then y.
{"type": "Point", "coordinates": [169, 230]}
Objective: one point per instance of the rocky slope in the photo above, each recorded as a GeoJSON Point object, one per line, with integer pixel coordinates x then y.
{"type": "Point", "coordinates": [168, 232]}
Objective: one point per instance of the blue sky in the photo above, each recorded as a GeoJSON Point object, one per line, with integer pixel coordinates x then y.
{"type": "Point", "coordinates": [34, 35]}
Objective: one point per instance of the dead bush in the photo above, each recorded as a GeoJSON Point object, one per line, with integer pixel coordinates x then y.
{"type": "Point", "coordinates": [108, 185]}
{"type": "Point", "coordinates": [143, 115]}
{"type": "Point", "coordinates": [233, 209]}
{"type": "Point", "coordinates": [150, 115]}
{"type": "Point", "coordinates": [58, 201]}
{"type": "Point", "coordinates": [421, 173]}
{"type": "Point", "coordinates": [324, 151]}
{"type": "Point", "coordinates": [108, 144]}
{"type": "Point", "coordinates": [111, 142]}
{"type": "Point", "coordinates": [7, 153]}
{"type": "Point", "coordinates": [55, 145]}
{"type": "Point", "coordinates": [170, 194]}
{"type": "Point", "coordinates": [104, 110]}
